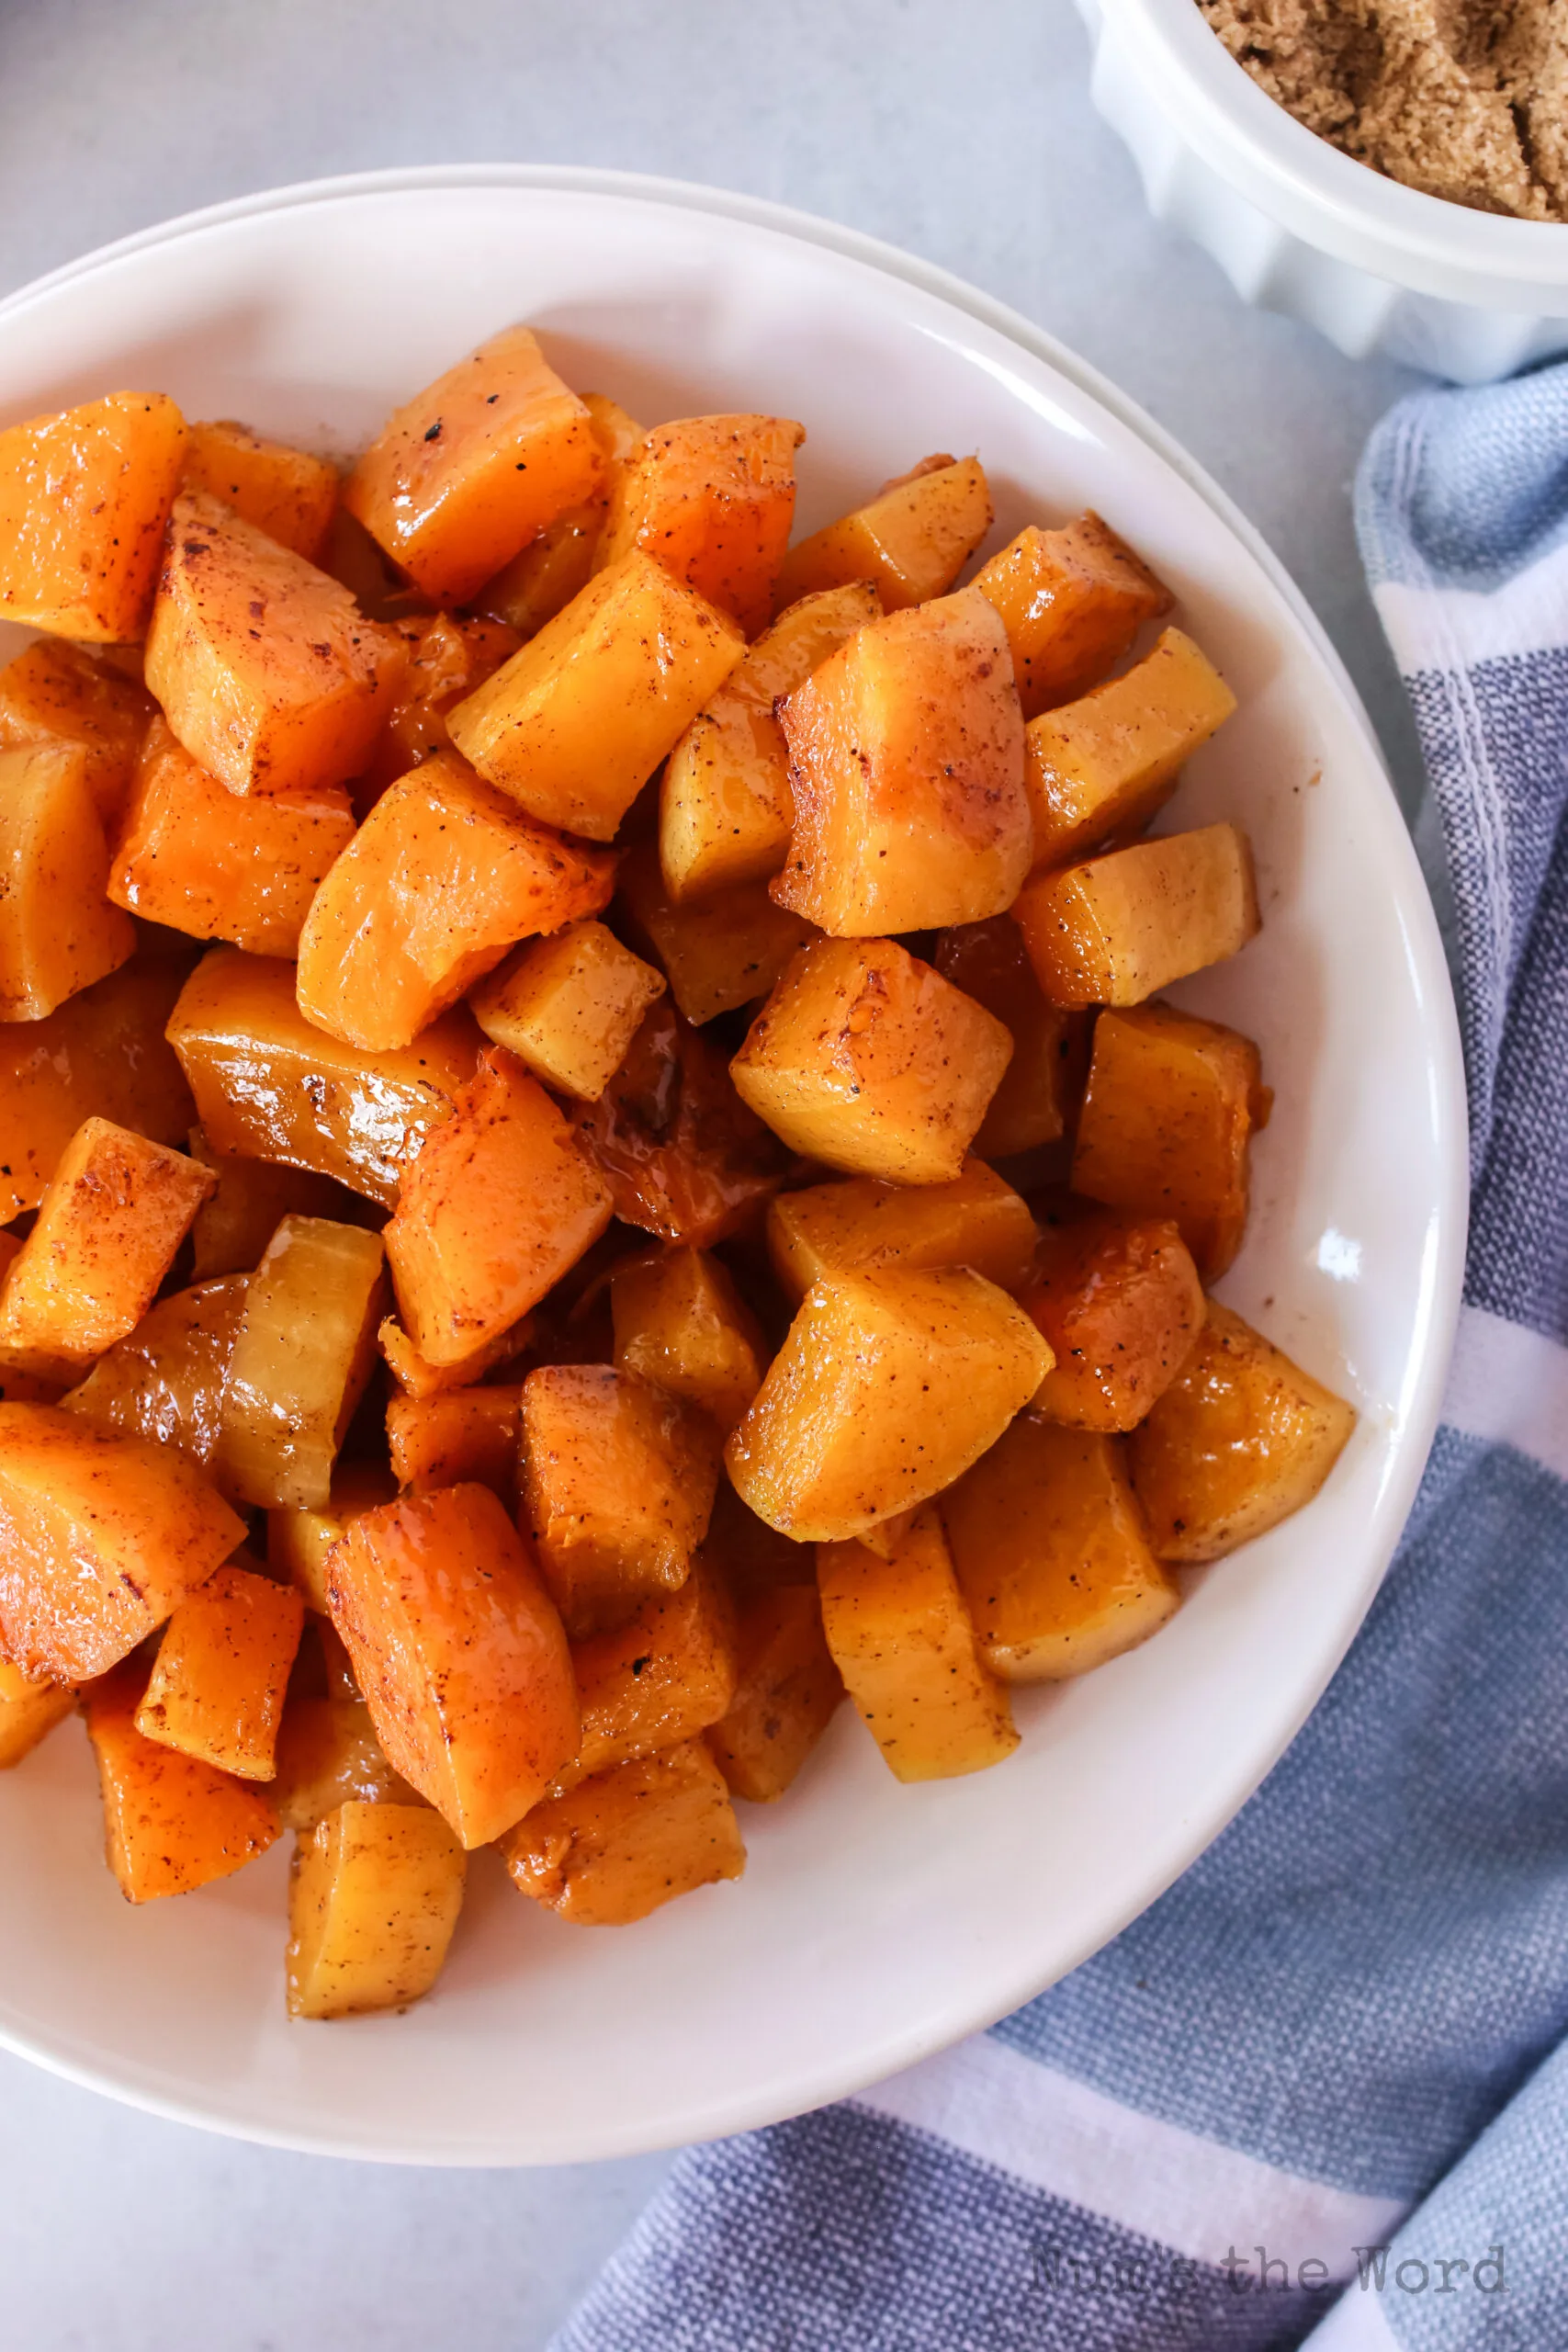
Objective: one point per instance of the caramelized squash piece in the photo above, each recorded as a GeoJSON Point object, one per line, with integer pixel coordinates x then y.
{"type": "Point", "coordinates": [304, 1354]}
{"type": "Point", "coordinates": [1071, 600]}
{"type": "Point", "coordinates": [373, 1903]}
{"type": "Point", "coordinates": [171, 1822]}
{"type": "Point", "coordinates": [911, 542]}
{"type": "Point", "coordinates": [618, 1846]}
{"type": "Point", "coordinates": [1041, 1083]}
{"type": "Point", "coordinates": [680, 1323]}
{"type": "Point", "coordinates": [458, 1437]}
{"type": "Point", "coordinates": [58, 932]}
{"type": "Point", "coordinates": [249, 1201]}
{"type": "Point", "coordinates": [863, 1225]}
{"type": "Point", "coordinates": [58, 693]}
{"type": "Point", "coordinates": [328, 1755]}
{"type": "Point", "coordinates": [558, 562]}
{"type": "Point", "coordinates": [27, 1716]}
{"type": "Point", "coordinates": [1120, 927]}
{"type": "Point", "coordinates": [83, 497]}
{"type": "Point", "coordinates": [1240, 1439]}
{"type": "Point", "coordinates": [713, 497]}
{"type": "Point", "coordinates": [721, 953]}
{"type": "Point", "coordinates": [284, 491]}
{"type": "Point", "coordinates": [218, 1683]}
{"type": "Point", "coordinates": [568, 1006]}
{"type": "Point", "coordinates": [299, 1542]}
{"type": "Point", "coordinates": [867, 1059]}
{"type": "Point", "coordinates": [166, 1379]}
{"type": "Point", "coordinates": [1120, 1301]}
{"type": "Point", "coordinates": [416, 1377]}
{"type": "Point", "coordinates": [787, 1688]}
{"type": "Point", "coordinates": [662, 1678]}
{"type": "Point", "coordinates": [448, 659]}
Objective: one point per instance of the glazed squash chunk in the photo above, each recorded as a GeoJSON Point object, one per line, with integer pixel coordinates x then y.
{"type": "Point", "coordinates": [1240, 1439]}
{"type": "Point", "coordinates": [618, 1486]}
{"type": "Point", "coordinates": [1051, 1557]}
{"type": "Point", "coordinates": [299, 1542]}
{"type": "Point", "coordinates": [59, 694]}
{"type": "Point", "coordinates": [458, 1437]}
{"type": "Point", "coordinates": [171, 1822]}
{"type": "Point", "coordinates": [680, 1323]}
{"type": "Point", "coordinates": [863, 1225]}
{"type": "Point", "coordinates": [474, 466]}
{"type": "Point", "coordinates": [373, 1902]}
{"type": "Point", "coordinates": [989, 962]}
{"type": "Point", "coordinates": [83, 497]}
{"type": "Point", "coordinates": [662, 1678]}
{"type": "Point", "coordinates": [328, 1755]}
{"type": "Point", "coordinates": [58, 932]}
{"type": "Point", "coordinates": [303, 1356]}
{"type": "Point", "coordinates": [901, 1638]}
{"type": "Point", "coordinates": [117, 1209]}
{"type": "Point", "coordinates": [285, 492]}
{"type": "Point", "coordinates": [787, 1688]}
{"type": "Point", "coordinates": [218, 1683]}
{"type": "Point", "coordinates": [448, 659]}
{"type": "Point", "coordinates": [459, 1652]}
{"type": "Point", "coordinates": [1120, 1301]}
{"type": "Point", "coordinates": [249, 1201]}
{"type": "Point", "coordinates": [193, 855]}
{"type": "Point", "coordinates": [713, 497]}
{"type": "Point", "coordinates": [911, 542]}
{"type": "Point", "coordinates": [498, 1204]}
{"type": "Point", "coordinates": [889, 1385]}
{"type": "Point", "coordinates": [1107, 762]}
{"type": "Point", "coordinates": [269, 1085]}
{"type": "Point", "coordinates": [416, 1377]}
{"type": "Point", "coordinates": [906, 769]}
{"type": "Point", "coordinates": [721, 952]}
{"type": "Point", "coordinates": [568, 1006]}
{"type": "Point", "coordinates": [166, 1379]}
{"type": "Point", "coordinates": [1072, 601]}
{"type": "Point", "coordinates": [1119, 927]}
{"type": "Point", "coordinates": [573, 726]}
{"type": "Point", "coordinates": [289, 697]}
{"type": "Point", "coordinates": [616, 1847]}
{"type": "Point", "coordinates": [1171, 1105]}
{"type": "Point", "coordinates": [27, 1716]}
{"type": "Point", "coordinates": [557, 563]}
{"type": "Point", "coordinates": [725, 806]}
{"type": "Point", "coordinates": [867, 1059]}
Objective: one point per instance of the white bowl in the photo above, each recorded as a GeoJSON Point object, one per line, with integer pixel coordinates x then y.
{"type": "Point", "coordinates": [876, 1922]}
{"type": "Point", "coordinates": [1299, 227]}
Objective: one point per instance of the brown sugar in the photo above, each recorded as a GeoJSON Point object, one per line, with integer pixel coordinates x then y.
{"type": "Point", "coordinates": [1465, 99]}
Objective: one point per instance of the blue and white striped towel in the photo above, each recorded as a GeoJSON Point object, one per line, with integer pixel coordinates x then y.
{"type": "Point", "coordinates": [1320, 2090]}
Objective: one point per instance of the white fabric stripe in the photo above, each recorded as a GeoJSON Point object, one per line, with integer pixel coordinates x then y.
{"type": "Point", "coordinates": [1357, 2323]}
{"type": "Point", "coordinates": [1527, 615]}
{"type": "Point", "coordinates": [1509, 1386]}
{"type": "Point", "coordinates": [1189, 2194]}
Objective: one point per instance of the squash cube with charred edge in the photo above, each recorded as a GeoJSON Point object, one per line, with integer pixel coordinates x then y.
{"type": "Point", "coordinates": [164, 1380]}
{"type": "Point", "coordinates": [1120, 1301]}
{"type": "Point", "coordinates": [83, 497]}
{"type": "Point", "coordinates": [568, 1006]}
{"type": "Point", "coordinates": [1119, 927]}
{"type": "Point", "coordinates": [1071, 600]}
{"type": "Point", "coordinates": [1039, 1085]}
{"type": "Point", "coordinates": [618, 1846]}
{"type": "Point", "coordinates": [787, 1690]}
{"type": "Point", "coordinates": [662, 1676]}
{"type": "Point", "coordinates": [218, 1682]}
{"type": "Point", "coordinates": [58, 693]}
{"type": "Point", "coordinates": [304, 1354]}
{"type": "Point", "coordinates": [373, 1902]}
{"type": "Point", "coordinates": [171, 1822]}
{"type": "Point", "coordinates": [557, 563]}
{"type": "Point", "coordinates": [713, 497]}
{"type": "Point", "coordinates": [720, 952]}
{"type": "Point", "coordinates": [680, 1323]}
{"type": "Point", "coordinates": [911, 542]}
{"type": "Point", "coordinates": [283, 491]}
{"type": "Point", "coordinates": [58, 932]}
{"type": "Point", "coordinates": [299, 1542]}
{"type": "Point", "coordinates": [458, 1437]}
{"type": "Point", "coordinates": [862, 1227]}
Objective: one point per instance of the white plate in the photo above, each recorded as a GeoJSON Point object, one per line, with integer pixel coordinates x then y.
{"type": "Point", "coordinates": [876, 1922]}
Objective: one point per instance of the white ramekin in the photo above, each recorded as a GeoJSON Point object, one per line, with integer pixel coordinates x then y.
{"type": "Point", "coordinates": [1298, 227]}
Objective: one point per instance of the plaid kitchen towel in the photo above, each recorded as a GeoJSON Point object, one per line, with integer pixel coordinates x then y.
{"type": "Point", "coordinates": [1320, 2090]}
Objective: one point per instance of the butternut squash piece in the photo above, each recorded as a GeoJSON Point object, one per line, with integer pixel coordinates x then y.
{"type": "Point", "coordinates": [618, 1846]}
{"type": "Point", "coordinates": [58, 932]}
{"type": "Point", "coordinates": [1171, 1105]}
{"type": "Point", "coordinates": [1041, 1083]}
{"type": "Point", "coordinates": [1120, 927]}
{"type": "Point", "coordinates": [83, 497]}
{"type": "Point", "coordinates": [284, 491]}
{"type": "Point", "coordinates": [568, 1006]}
{"type": "Point", "coordinates": [166, 1380]}
{"type": "Point", "coordinates": [460, 1654]}
{"type": "Point", "coordinates": [911, 542]}
{"type": "Point", "coordinates": [27, 1716]}
{"type": "Point", "coordinates": [574, 725]}
{"type": "Point", "coordinates": [752, 1557]}
{"type": "Point", "coordinates": [865, 1058]}
{"type": "Point", "coordinates": [469, 471]}
{"type": "Point", "coordinates": [1120, 1301]}
{"type": "Point", "coordinates": [1240, 1439]}
{"type": "Point", "coordinates": [448, 659]}
{"type": "Point", "coordinates": [218, 1682]}
{"type": "Point", "coordinates": [288, 699]}
{"type": "Point", "coordinates": [417, 1377]}
{"type": "Point", "coordinates": [862, 1227]}
{"type": "Point", "coordinates": [373, 1902]}
{"type": "Point", "coordinates": [171, 1822]}
{"type": "Point", "coordinates": [194, 857]}
{"type": "Point", "coordinates": [662, 1678]}
{"type": "Point", "coordinates": [726, 809]}
{"type": "Point", "coordinates": [1072, 600]}
{"type": "Point", "coordinates": [787, 1690]}
{"type": "Point", "coordinates": [300, 1541]}
{"type": "Point", "coordinates": [721, 953]}
{"type": "Point", "coordinates": [680, 1323]}
{"type": "Point", "coordinates": [713, 497]}
{"type": "Point", "coordinates": [889, 1385]}
{"type": "Point", "coordinates": [902, 1640]}
{"type": "Point", "coordinates": [249, 1201]}
{"type": "Point", "coordinates": [269, 1085]}
{"type": "Point", "coordinates": [328, 1755]}
{"type": "Point", "coordinates": [301, 1362]}
{"type": "Point", "coordinates": [445, 875]}
{"type": "Point", "coordinates": [558, 562]}
{"type": "Point", "coordinates": [59, 694]}
{"type": "Point", "coordinates": [458, 1437]}
{"type": "Point", "coordinates": [618, 1486]}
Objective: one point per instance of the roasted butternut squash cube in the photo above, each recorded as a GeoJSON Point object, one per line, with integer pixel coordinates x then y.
{"type": "Point", "coordinates": [59, 694]}
{"type": "Point", "coordinates": [713, 497]}
{"type": "Point", "coordinates": [568, 1006]}
{"type": "Point", "coordinates": [889, 1385]}
{"type": "Point", "coordinates": [288, 699]}
{"type": "Point", "coordinates": [83, 498]}
{"type": "Point", "coordinates": [618, 1486]}
{"type": "Point", "coordinates": [863, 1225]}
{"type": "Point", "coordinates": [573, 726]}
{"type": "Point", "coordinates": [269, 1085]}
{"type": "Point", "coordinates": [500, 1203]}
{"type": "Point", "coordinates": [418, 1377]}
{"type": "Point", "coordinates": [171, 1822]}
{"type": "Point", "coordinates": [618, 1846]}
{"type": "Point", "coordinates": [726, 809]}
{"type": "Point", "coordinates": [166, 1380]}
{"type": "Point", "coordinates": [1120, 927]}
{"type": "Point", "coordinates": [448, 659]}
{"type": "Point", "coordinates": [27, 1716]}
{"type": "Point", "coordinates": [901, 1637]}
{"type": "Point", "coordinates": [1171, 1104]}
{"type": "Point", "coordinates": [1241, 1439]}
{"type": "Point", "coordinates": [1107, 762]}
{"type": "Point", "coordinates": [1041, 1083]}
{"type": "Point", "coordinates": [117, 1209]}
{"type": "Point", "coordinates": [328, 1755]}
{"type": "Point", "coordinates": [285, 492]}
{"type": "Point", "coordinates": [867, 1059]}
{"type": "Point", "coordinates": [459, 1652]}
{"type": "Point", "coordinates": [218, 1682]}
{"type": "Point", "coordinates": [58, 932]}
{"type": "Point", "coordinates": [1120, 1301]}
{"type": "Point", "coordinates": [558, 562]}
{"type": "Point", "coordinates": [911, 542]}
{"type": "Point", "coordinates": [906, 770]}
{"type": "Point", "coordinates": [720, 952]}
{"type": "Point", "coordinates": [787, 1688]}
{"type": "Point", "coordinates": [680, 1322]}
{"type": "Point", "coordinates": [458, 1437]}
{"type": "Point", "coordinates": [373, 1901]}
{"type": "Point", "coordinates": [464, 475]}
{"type": "Point", "coordinates": [662, 1678]}
{"type": "Point", "coordinates": [1072, 600]}
{"type": "Point", "coordinates": [299, 1542]}
{"type": "Point", "coordinates": [1052, 1556]}
{"type": "Point", "coordinates": [250, 1200]}
{"type": "Point", "coordinates": [304, 1354]}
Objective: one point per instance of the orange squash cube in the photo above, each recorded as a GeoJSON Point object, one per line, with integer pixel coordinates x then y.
{"type": "Point", "coordinates": [328, 1755]}
{"type": "Point", "coordinates": [1120, 1301]}
{"type": "Point", "coordinates": [618, 1846]}
{"type": "Point", "coordinates": [418, 1377]}
{"type": "Point", "coordinates": [1041, 1083]}
{"type": "Point", "coordinates": [58, 693]}
{"type": "Point", "coordinates": [911, 542]}
{"type": "Point", "coordinates": [721, 952]}
{"type": "Point", "coordinates": [1119, 927]}
{"type": "Point", "coordinates": [27, 1716]}
{"type": "Point", "coordinates": [58, 932]}
{"type": "Point", "coordinates": [249, 1201]}
{"type": "Point", "coordinates": [300, 1541]}
{"type": "Point", "coordinates": [863, 1225]}
{"type": "Point", "coordinates": [284, 491]}
{"type": "Point", "coordinates": [171, 1822]}
{"type": "Point", "coordinates": [787, 1688]}
{"type": "Point", "coordinates": [906, 768]}
{"type": "Point", "coordinates": [1072, 601]}
{"type": "Point", "coordinates": [301, 1362]}
{"type": "Point", "coordinates": [448, 659]}
{"type": "Point", "coordinates": [459, 1652]}
{"type": "Point", "coordinates": [375, 1896]}
{"type": "Point", "coordinates": [458, 1437]}
{"type": "Point", "coordinates": [568, 1006]}
{"type": "Point", "coordinates": [218, 1682]}
{"type": "Point", "coordinates": [470, 469]}
{"type": "Point", "coordinates": [713, 497]}
{"type": "Point", "coordinates": [558, 562]}
{"type": "Point", "coordinates": [662, 1676]}
{"type": "Point", "coordinates": [680, 1322]}
{"type": "Point", "coordinates": [166, 1380]}
{"type": "Point", "coordinates": [83, 498]}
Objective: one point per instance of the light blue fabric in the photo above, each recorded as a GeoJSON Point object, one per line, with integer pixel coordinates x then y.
{"type": "Point", "coordinates": [1364, 1983]}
